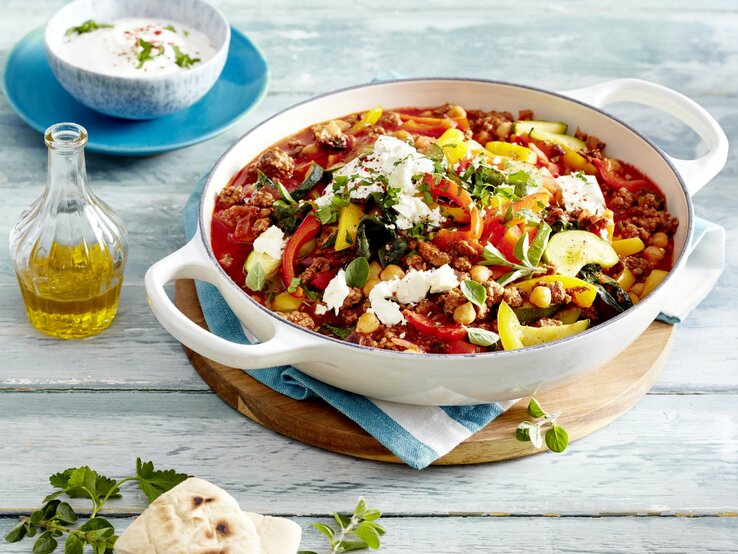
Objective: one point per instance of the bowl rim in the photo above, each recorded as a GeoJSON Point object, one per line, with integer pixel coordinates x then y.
{"type": "Point", "coordinates": [218, 57]}
{"type": "Point", "coordinates": [596, 329]}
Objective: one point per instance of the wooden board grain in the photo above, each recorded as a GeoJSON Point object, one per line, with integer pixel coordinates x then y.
{"type": "Point", "coordinates": [587, 403]}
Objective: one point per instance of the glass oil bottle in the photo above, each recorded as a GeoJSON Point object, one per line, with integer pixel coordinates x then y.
{"type": "Point", "coordinates": [69, 248]}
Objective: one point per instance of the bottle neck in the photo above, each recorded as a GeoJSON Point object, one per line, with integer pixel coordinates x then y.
{"type": "Point", "coordinates": [67, 177]}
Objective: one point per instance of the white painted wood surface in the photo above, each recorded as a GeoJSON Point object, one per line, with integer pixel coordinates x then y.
{"type": "Point", "coordinates": [130, 391]}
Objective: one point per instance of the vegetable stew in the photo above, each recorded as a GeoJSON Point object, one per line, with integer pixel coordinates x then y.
{"type": "Point", "coordinates": [443, 230]}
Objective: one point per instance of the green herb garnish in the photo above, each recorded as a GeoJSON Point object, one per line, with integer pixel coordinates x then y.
{"type": "Point", "coordinates": [481, 337]}
{"type": "Point", "coordinates": [55, 518]}
{"type": "Point", "coordinates": [256, 278]}
{"type": "Point", "coordinates": [183, 60]}
{"type": "Point", "coordinates": [145, 55]}
{"type": "Point", "coordinates": [557, 439]}
{"type": "Point", "coordinates": [528, 254]}
{"type": "Point", "coordinates": [474, 292]}
{"type": "Point", "coordinates": [170, 28]}
{"type": "Point", "coordinates": [356, 532]}
{"type": "Point", "coordinates": [357, 272]}
{"type": "Point", "coordinates": [341, 332]}
{"type": "Point", "coordinates": [87, 27]}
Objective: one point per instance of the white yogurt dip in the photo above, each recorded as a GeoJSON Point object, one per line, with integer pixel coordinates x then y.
{"type": "Point", "coordinates": [134, 47]}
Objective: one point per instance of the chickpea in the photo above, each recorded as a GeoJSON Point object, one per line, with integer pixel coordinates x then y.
{"type": "Point", "coordinates": [374, 269]}
{"type": "Point", "coordinates": [480, 273]}
{"type": "Point", "coordinates": [465, 314]}
{"type": "Point", "coordinates": [367, 323]}
{"type": "Point", "coordinates": [660, 239]}
{"type": "Point", "coordinates": [369, 285]}
{"type": "Point", "coordinates": [403, 135]}
{"type": "Point", "coordinates": [653, 254]}
{"type": "Point", "coordinates": [637, 289]}
{"type": "Point", "coordinates": [456, 111]}
{"type": "Point", "coordinates": [540, 297]}
{"type": "Point", "coordinates": [503, 130]}
{"type": "Point", "coordinates": [390, 272]}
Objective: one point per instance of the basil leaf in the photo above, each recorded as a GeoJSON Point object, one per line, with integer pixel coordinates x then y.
{"type": "Point", "coordinates": [357, 272]}
{"type": "Point", "coordinates": [538, 246]}
{"type": "Point", "coordinates": [481, 337]}
{"type": "Point", "coordinates": [534, 409]}
{"type": "Point", "coordinates": [256, 278]}
{"type": "Point", "coordinates": [313, 177]}
{"type": "Point", "coordinates": [474, 292]}
{"type": "Point", "coordinates": [557, 439]}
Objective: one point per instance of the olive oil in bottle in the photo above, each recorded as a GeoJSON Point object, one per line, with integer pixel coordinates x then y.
{"type": "Point", "coordinates": [69, 248]}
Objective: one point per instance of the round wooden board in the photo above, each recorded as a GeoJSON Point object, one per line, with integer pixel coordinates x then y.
{"type": "Point", "coordinates": [586, 403]}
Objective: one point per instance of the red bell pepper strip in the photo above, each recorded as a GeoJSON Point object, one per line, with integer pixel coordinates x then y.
{"type": "Point", "coordinates": [609, 175]}
{"type": "Point", "coordinates": [307, 230]}
{"type": "Point", "coordinates": [458, 195]}
{"type": "Point", "coordinates": [460, 347]}
{"type": "Point", "coordinates": [448, 332]}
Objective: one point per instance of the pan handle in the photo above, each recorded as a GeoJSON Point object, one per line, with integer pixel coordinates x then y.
{"type": "Point", "coordinates": [696, 173]}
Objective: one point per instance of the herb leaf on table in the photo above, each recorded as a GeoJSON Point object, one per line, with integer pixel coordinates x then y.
{"type": "Point", "coordinates": [359, 531]}
{"type": "Point", "coordinates": [556, 437]}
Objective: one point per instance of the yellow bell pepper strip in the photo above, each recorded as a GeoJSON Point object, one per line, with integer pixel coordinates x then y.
{"type": "Point", "coordinates": [509, 328]}
{"type": "Point", "coordinates": [540, 335]}
{"type": "Point", "coordinates": [653, 280]}
{"type": "Point", "coordinates": [348, 226]}
{"type": "Point", "coordinates": [626, 279]}
{"type": "Point", "coordinates": [285, 302]}
{"type": "Point", "coordinates": [453, 144]}
{"type": "Point", "coordinates": [307, 231]}
{"type": "Point", "coordinates": [577, 162]}
{"type": "Point", "coordinates": [583, 296]}
{"type": "Point", "coordinates": [454, 192]}
{"type": "Point", "coordinates": [514, 335]}
{"type": "Point", "coordinates": [610, 227]}
{"type": "Point", "coordinates": [628, 247]}
{"type": "Point", "coordinates": [369, 118]}
{"type": "Point", "coordinates": [514, 151]}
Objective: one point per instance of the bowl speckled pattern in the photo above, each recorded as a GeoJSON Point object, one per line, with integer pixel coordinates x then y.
{"type": "Point", "coordinates": [145, 97]}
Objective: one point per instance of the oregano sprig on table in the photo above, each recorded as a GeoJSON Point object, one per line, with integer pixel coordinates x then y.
{"type": "Point", "coordinates": [556, 437]}
{"type": "Point", "coordinates": [358, 531]}
{"type": "Point", "coordinates": [54, 519]}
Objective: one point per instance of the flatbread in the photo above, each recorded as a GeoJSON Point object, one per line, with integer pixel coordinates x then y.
{"type": "Point", "coordinates": [277, 534]}
{"type": "Point", "coordinates": [195, 517]}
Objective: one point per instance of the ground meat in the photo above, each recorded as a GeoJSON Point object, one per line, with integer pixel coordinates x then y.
{"type": "Point", "coordinates": [652, 219]}
{"type": "Point", "coordinates": [591, 313]}
{"type": "Point", "coordinates": [547, 322]}
{"type": "Point", "coordinates": [432, 254]}
{"type": "Point", "coordinates": [592, 223]}
{"type": "Point", "coordinates": [319, 265]}
{"type": "Point", "coordinates": [512, 297]}
{"type": "Point", "coordinates": [262, 198]}
{"type": "Point", "coordinates": [425, 307]}
{"type": "Point", "coordinates": [595, 146]}
{"type": "Point", "coordinates": [226, 261]}
{"type": "Point", "coordinates": [639, 266]}
{"type": "Point", "coordinates": [422, 142]}
{"type": "Point", "coordinates": [354, 297]}
{"type": "Point", "coordinates": [276, 163]}
{"type": "Point", "coordinates": [629, 230]}
{"type": "Point", "coordinates": [558, 292]}
{"type": "Point", "coordinates": [261, 225]}
{"type": "Point", "coordinates": [231, 195]}
{"type": "Point", "coordinates": [330, 135]}
{"type": "Point", "coordinates": [650, 200]}
{"type": "Point", "coordinates": [384, 336]}
{"type": "Point", "coordinates": [231, 216]}
{"type": "Point", "coordinates": [415, 261]}
{"type": "Point", "coordinates": [464, 248]}
{"type": "Point", "coordinates": [391, 119]}
{"type": "Point", "coordinates": [452, 300]}
{"type": "Point", "coordinates": [622, 200]}
{"type": "Point", "coordinates": [374, 131]}
{"type": "Point", "coordinates": [555, 213]}
{"type": "Point", "coordinates": [462, 263]}
{"type": "Point", "coordinates": [300, 318]}
{"type": "Point", "coordinates": [495, 293]}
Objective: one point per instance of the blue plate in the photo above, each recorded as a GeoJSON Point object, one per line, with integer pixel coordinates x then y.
{"type": "Point", "coordinates": [38, 98]}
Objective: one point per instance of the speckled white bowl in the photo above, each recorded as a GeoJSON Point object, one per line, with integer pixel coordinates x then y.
{"type": "Point", "coordinates": [139, 97]}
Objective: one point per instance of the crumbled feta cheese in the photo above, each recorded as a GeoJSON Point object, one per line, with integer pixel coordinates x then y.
{"type": "Point", "coordinates": [412, 210]}
{"type": "Point", "coordinates": [270, 242]}
{"type": "Point", "coordinates": [336, 292]}
{"type": "Point", "coordinates": [580, 191]}
{"type": "Point", "coordinates": [413, 287]}
{"type": "Point", "coordinates": [387, 312]}
{"type": "Point", "coordinates": [442, 279]}
{"type": "Point", "coordinates": [321, 309]}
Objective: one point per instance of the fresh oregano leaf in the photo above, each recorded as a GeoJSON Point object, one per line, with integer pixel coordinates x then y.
{"type": "Point", "coordinates": [357, 272]}
{"type": "Point", "coordinates": [17, 533]}
{"type": "Point", "coordinates": [481, 337]}
{"type": "Point", "coordinates": [557, 439]}
{"type": "Point", "coordinates": [73, 544]}
{"type": "Point", "coordinates": [474, 292]}
{"type": "Point", "coordinates": [492, 256]}
{"type": "Point", "coordinates": [368, 534]}
{"type": "Point", "coordinates": [535, 435]}
{"type": "Point", "coordinates": [522, 433]}
{"type": "Point", "coordinates": [256, 277]}
{"type": "Point", "coordinates": [45, 543]}
{"type": "Point", "coordinates": [65, 513]}
{"type": "Point", "coordinates": [534, 409]}
{"type": "Point", "coordinates": [327, 530]}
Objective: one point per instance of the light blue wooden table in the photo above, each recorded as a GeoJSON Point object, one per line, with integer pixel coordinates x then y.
{"type": "Point", "coordinates": [662, 478]}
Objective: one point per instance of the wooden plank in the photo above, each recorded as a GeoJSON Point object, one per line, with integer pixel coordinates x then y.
{"type": "Point", "coordinates": [461, 535]}
{"type": "Point", "coordinates": [669, 455]}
